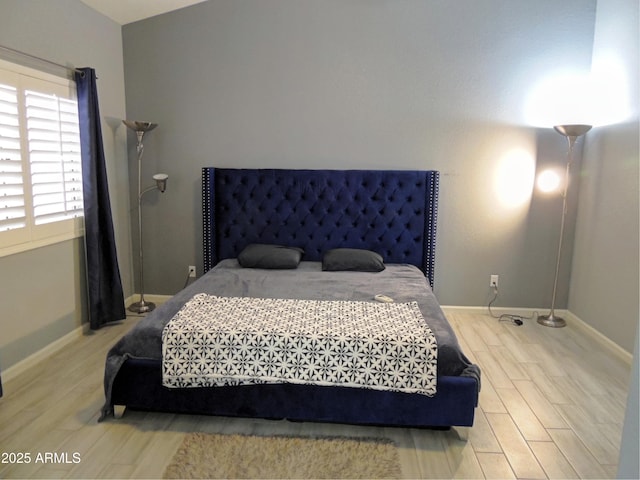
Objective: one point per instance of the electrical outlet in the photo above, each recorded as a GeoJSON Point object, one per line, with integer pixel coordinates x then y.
{"type": "Point", "coordinates": [493, 280]}
{"type": "Point", "coordinates": [192, 271]}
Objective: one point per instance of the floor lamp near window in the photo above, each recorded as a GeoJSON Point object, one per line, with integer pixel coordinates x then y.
{"type": "Point", "coordinates": [142, 306]}
{"type": "Point", "coordinates": [572, 132]}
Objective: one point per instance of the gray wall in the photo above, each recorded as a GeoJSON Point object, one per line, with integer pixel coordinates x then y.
{"type": "Point", "coordinates": [605, 275]}
{"type": "Point", "coordinates": [42, 291]}
{"type": "Point", "coordinates": [407, 84]}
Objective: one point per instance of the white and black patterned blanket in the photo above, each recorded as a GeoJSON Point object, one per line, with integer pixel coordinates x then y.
{"type": "Point", "coordinates": [215, 341]}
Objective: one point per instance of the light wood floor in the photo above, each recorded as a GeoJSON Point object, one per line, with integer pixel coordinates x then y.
{"type": "Point", "coordinates": [551, 406]}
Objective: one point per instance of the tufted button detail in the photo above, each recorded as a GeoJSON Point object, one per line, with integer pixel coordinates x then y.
{"type": "Point", "coordinates": [322, 209]}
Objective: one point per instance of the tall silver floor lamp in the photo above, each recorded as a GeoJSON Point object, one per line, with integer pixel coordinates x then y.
{"type": "Point", "coordinates": [141, 128]}
{"type": "Point", "coordinates": [572, 132]}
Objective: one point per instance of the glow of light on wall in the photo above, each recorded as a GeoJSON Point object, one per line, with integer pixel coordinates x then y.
{"type": "Point", "coordinates": [560, 99]}
{"type": "Point", "coordinates": [514, 178]}
{"type": "Point", "coordinates": [610, 85]}
{"type": "Point", "coordinates": [549, 181]}
{"type": "Point", "coordinates": [598, 97]}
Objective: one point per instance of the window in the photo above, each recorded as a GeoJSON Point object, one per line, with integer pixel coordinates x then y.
{"type": "Point", "coordinates": [40, 164]}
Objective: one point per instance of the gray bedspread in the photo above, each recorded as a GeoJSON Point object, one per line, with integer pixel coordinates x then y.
{"type": "Point", "coordinates": [404, 283]}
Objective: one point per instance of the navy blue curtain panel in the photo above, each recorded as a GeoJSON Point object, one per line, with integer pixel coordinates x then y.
{"type": "Point", "coordinates": [105, 295]}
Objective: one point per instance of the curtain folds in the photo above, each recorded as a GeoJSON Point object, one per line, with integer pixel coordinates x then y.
{"type": "Point", "coordinates": [105, 295]}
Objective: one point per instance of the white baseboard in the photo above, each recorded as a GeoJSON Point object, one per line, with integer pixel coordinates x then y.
{"type": "Point", "coordinates": [524, 312]}
{"type": "Point", "coordinates": [23, 365]}
{"type": "Point", "coordinates": [572, 319]}
{"type": "Point", "coordinates": [612, 346]}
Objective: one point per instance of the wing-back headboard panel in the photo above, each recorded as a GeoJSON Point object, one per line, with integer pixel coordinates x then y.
{"type": "Point", "coordinates": [392, 212]}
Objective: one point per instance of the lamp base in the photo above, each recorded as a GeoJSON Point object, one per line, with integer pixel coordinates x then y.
{"type": "Point", "coordinates": [551, 321]}
{"type": "Point", "coordinates": [142, 307]}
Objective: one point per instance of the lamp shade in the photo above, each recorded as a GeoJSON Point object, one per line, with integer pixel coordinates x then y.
{"type": "Point", "coordinates": [161, 181]}
{"type": "Point", "coordinates": [137, 126]}
{"type": "Point", "coordinates": [572, 130]}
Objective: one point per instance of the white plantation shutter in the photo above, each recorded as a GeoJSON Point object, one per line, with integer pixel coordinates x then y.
{"type": "Point", "coordinates": [12, 201]}
{"type": "Point", "coordinates": [54, 156]}
{"type": "Point", "coordinates": [40, 164]}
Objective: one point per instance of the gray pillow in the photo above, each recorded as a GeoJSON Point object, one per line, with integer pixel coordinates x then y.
{"type": "Point", "coordinates": [352, 259]}
{"type": "Point", "coordinates": [259, 255]}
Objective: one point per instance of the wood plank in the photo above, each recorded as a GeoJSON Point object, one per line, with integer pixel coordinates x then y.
{"type": "Point", "coordinates": [590, 433]}
{"type": "Point", "coordinates": [463, 462]}
{"type": "Point", "coordinates": [527, 421]}
{"type": "Point", "coordinates": [492, 369]}
{"type": "Point", "coordinates": [495, 465]}
{"type": "Point", "coordinates": [580, 458]}
{"type": "Point", "coordinates": [547, 387]}
{"type": "Point", "coordinates": [481, 436]}
{"type": "Point", "coordinates": [544, 410]}
{"type": "Point", "coordinates": [522, 460]}
{"type": "Point", "coordinates": [555, 465]}
{"type": "Point", "coordinates": [490, 401]}
{"type": "Point", "coordinates": [436, 463]}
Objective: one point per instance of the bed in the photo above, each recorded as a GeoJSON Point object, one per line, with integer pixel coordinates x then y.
{"type": "Point", "coordinates": [392, 213]}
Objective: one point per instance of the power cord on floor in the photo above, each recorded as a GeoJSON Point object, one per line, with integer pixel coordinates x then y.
{"type": "Point", "coordinates": [516, 320]}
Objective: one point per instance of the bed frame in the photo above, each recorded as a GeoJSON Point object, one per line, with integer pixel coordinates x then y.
{"type": "Point", "coordinates": [391, 212]}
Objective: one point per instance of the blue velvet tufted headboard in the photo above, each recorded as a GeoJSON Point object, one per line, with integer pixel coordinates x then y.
{"type": "Point", "coordinates": [392, 212]}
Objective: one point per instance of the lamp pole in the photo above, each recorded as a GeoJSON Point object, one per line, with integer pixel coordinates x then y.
{"type": "Point", "coordinates": [572, 132]}
{"type": "Point", "coordinates": [140, 128]}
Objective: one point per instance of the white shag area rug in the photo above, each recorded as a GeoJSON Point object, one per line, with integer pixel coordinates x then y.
{"type": "Point", "coordinates": [204, 455]}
